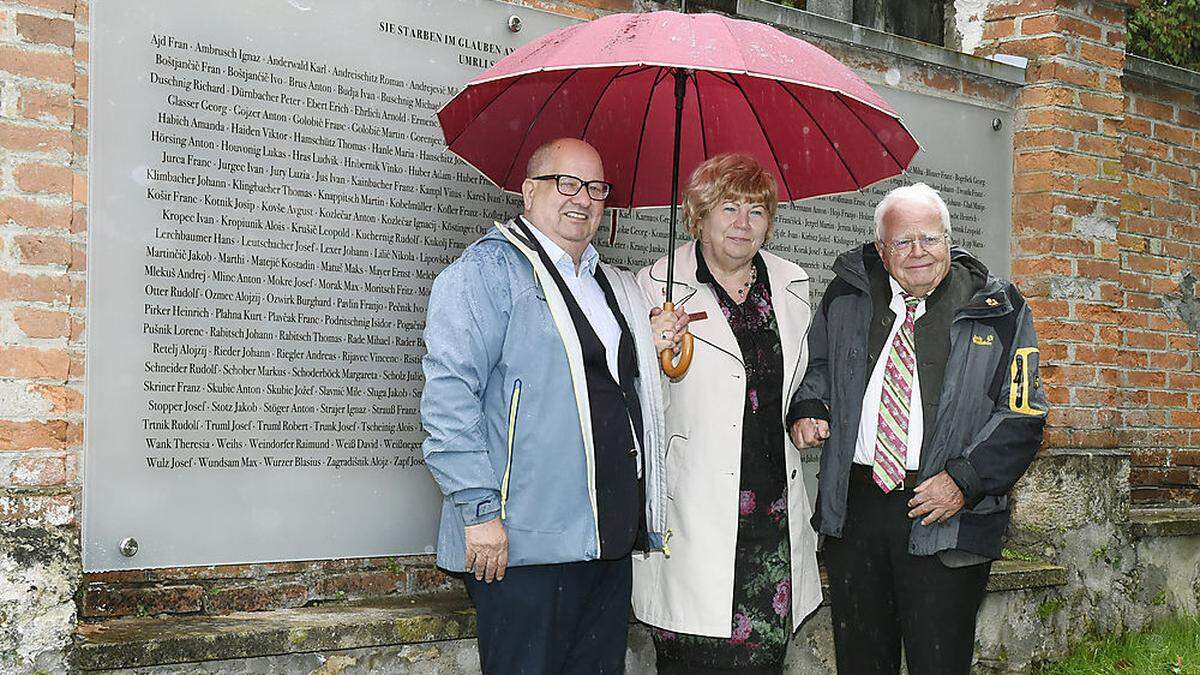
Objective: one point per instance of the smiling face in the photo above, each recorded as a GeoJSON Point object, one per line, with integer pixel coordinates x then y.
{"type": "Point", "coordinates": [733, 232]}
{"type": "Point", "coordinates": [920, 269]}
{"type": "Point", "coordinates": [570, 222]}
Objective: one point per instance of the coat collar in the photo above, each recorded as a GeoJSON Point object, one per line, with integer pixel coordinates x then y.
{"type": "Point", "coordinates": [785, 278]}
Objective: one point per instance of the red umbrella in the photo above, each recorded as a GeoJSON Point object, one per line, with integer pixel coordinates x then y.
{"type": "Point", "coordinates": [658, 93]}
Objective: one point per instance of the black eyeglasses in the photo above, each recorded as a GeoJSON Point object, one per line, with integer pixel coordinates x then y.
{"type": "Point", "coordinates": [569, 186]}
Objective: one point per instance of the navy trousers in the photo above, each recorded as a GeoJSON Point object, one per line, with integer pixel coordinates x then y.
{"type": "Point", "coordinates": [549, 619]}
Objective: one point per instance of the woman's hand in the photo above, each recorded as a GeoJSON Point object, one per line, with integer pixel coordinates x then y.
{"type": "Point", "coordinates": [809, 432]}
{"type": "Point", "coordinates": [668, 328]}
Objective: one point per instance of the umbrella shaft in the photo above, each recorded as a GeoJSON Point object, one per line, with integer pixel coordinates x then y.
{"type": "Point", "coordinates": [680, 93]}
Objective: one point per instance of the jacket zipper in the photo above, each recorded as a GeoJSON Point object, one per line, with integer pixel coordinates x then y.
{"type": "Point", "coordinates": [513, 405]}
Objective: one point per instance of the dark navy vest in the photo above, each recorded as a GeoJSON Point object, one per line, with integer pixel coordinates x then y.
{"type": "Point", "coordinates": [616, 414]}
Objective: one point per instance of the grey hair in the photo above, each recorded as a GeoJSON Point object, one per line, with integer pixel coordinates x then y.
{"type": "Point", "coordinates": [914, 192]}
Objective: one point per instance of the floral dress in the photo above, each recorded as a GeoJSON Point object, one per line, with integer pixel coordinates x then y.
{"type": "Point", "coordinates": [762, 593]}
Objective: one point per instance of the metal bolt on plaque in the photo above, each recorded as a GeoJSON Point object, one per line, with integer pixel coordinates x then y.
{"type": "Point", "coordinates": [514, 23]}
{"type": "Point", "coordinates": [996, 124]}
{"type": "Point", "coordinates": [129, 547]}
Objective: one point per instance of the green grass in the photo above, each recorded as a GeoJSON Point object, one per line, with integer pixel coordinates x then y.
{"type": "Point", "coordinates": [1170, 648]}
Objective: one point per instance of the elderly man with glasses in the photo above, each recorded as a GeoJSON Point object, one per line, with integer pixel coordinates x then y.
{"type": "Point", "coordinates": [923, 386]}
{"type": "Point", "coordinates": [544, 410]}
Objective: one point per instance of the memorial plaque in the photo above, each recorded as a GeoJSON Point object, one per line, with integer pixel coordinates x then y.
{"type": "Point", "coordinates": [270, 201]}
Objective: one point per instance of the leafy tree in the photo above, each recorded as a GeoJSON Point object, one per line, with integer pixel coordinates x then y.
{"type": "Point", "coordinates": [1167, 31]}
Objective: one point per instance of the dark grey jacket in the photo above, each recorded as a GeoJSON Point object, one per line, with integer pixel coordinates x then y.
{"type": "Point", "coordinates": [983, 404]}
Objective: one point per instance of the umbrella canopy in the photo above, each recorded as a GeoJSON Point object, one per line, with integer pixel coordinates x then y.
{"type": "Point", "coordinates": [748, 88]}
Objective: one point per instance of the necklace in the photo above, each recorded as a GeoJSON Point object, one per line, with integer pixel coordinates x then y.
{"type": "Point", "coordinates": [741, 292]}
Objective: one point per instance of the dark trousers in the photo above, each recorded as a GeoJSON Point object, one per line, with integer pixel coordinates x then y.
{"type": "Point", "coordinates": [881, 596]}
{"type": "Point", "coordinates": [548, 619]}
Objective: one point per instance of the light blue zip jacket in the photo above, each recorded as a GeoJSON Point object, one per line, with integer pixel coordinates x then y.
{"type": "Point", "coordinates": [506, 408]}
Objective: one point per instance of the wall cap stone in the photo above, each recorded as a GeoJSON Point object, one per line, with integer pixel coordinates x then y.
{"type": "Point", "coordinates": [1165, 522]}
{"type": "Point", "coordinates": [151, 641]}
{"type": "Point", "coordinates": [808, 23]}
{"type": "Point", "coordinates": [1163, 72]}
{"type": "Point", "coordinates": [154, 641]}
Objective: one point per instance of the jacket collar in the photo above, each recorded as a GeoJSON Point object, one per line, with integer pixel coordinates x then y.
{"type": "Point", "coordinates": [689, 291]}
{"type": "Point", "coordinates": [990, 299]}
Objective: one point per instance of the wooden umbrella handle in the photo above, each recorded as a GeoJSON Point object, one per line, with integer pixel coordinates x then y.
{"type": "Point", "coordinates": [666, 356]}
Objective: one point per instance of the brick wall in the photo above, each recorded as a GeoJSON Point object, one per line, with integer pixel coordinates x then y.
{"type": "Point", "coordinates": [43, 125]}
{"type": "Point", "coordinates": [1159, 241]}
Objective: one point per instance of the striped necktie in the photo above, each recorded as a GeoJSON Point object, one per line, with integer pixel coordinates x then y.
{"type": "Point", "coordinates": [891, 436]}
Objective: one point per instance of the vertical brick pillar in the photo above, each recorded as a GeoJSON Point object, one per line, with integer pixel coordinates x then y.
{"type": "Point", "coordinates": [41, 319]}
{"type": "Point", "coordinates": [1066, 204]}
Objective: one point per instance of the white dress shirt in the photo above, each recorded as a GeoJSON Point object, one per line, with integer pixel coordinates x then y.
{"type": "Point", "coordinates": [868, 426]}
{"type": "Point", "coordinates": [587, 292]}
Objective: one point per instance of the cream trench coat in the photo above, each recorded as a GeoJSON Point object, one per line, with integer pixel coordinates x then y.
{"type": "Point", "coordinates": [691, 591]}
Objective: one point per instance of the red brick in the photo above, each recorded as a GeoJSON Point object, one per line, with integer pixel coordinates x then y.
{"type": "Point", "coordinates": [51, 434]}
{"type": "Point", "coordinates": [49, 66]}
{"type": "Point", "coordinates": [1100, 188]}
{"type": "Point", "coordinates": [1186, 457]}
{"type": "Point", "coordinates": [37, 249]}
{"type": "Point", "coordinates": [1135, 125]}
{"type": "Point", "coordinates": [1145, 379]}
{"type": "Point", "coordinates": [41, 323]}
{"type": "Point", "coordinates": [45, 30]}
{"type": "Point", "coordinates": [1065, 119]}
{"type": "Point", "coordinates": [1172, 134]}
{"type": "Point", "coordinates": [1171, 360]}
{"type": "Point", "coordinates": [1185, 418]}
{"type": "Point", "coordinates": [1099, 145]}
{"type": "Point", "coordinates": [1045, 265]}
{"type": "Point", "coordinates": [1043, 138]}
{"type": "Point", "coordinates": [1096, 313]}
{"type": "Point", "coordinates": [1019, 8]}
{"type": "Point", "coordinates": [1147, 147]}
{"type": "Point", "coordinates": [1104, 103]}
{"type": "Point", "coordinates": [62, 399]}
{"type": "Point", "coordinates": [50, 178]}
{"type": "Point", "coordinates": [1103, 55]}
{"type": "Point", "coordinates": [39, 471]}
{"type": "Point", "coordinates": [1062, 72]}
{"type": "Point", "coordinates": [1042, 182]}
{"type": "Point", "coordinates": [1000, 28]}
{"type": "Point", "coordinates": [1054, 160]}
{"type": "Point", "coordinates": [1145, 339]}
{"type": "Point", "coordinates": [1143, 457]}
{"type": "Point", "coordinates": [1046, 95]}
{"type": "Point", "coordinates": [101, 601]}
{"type": "Point", "coordinates": [30, 288]}
{"type": "Point", "coordinates": [1041, 24]}
{"type": "Point", "coordinates": [358, 585]}
{"type": "Point", "coordinates": [223, 600]}
{"type": "Point", "coordinates": [1107, 14]}
{"type": "Point", "coordinates": [1179, 174]}
{"type": "Point", "coordinates": [1149, 187]}
{"type": "Point", "coordinates": [44, 105]}
{"type": "Point", "coordinates": [60, 6]}
{"type": "Point", "coordinates": [35, 215]}
{"type": "Point", "coordinates": [29, 138]}
{"type": "Point", "coordinates": [55, 510]}
{"type": "Point", "coordinates": [1072, 26]}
